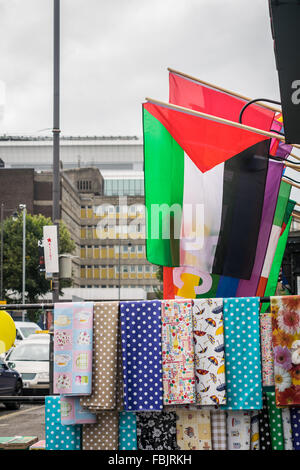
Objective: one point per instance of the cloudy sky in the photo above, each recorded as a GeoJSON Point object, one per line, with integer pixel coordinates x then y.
{"type": "Point", "coordinates": [115, 53]}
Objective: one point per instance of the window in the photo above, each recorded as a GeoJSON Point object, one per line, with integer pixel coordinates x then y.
{"type": "Point", "coordinates": [147, 268]}
{"type": "Point", "coordinates": [140, 248]}
{"type": "Point", "coordinates": [140, 269]}
{"type": "Point", "coordinates": [132, 268]}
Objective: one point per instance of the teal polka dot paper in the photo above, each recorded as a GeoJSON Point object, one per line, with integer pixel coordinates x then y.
{"type": "Point", "coordinates": [127, 431]}
{"type": "Point", "coordinates": [242, 354]}
{"type": "Point", "coordinates": [59, 436]}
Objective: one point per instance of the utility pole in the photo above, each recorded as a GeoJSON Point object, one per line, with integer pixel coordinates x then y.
{"type": "Point", "coordinates": [23, 208]}
{"type": "Point", "coordinates": [56, 134]}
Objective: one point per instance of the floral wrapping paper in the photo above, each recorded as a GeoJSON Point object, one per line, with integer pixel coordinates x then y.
{"type": "Point", "coordinates": [127, 431]}
{"type": "Point", "coordinates": [267, 357]}
{"type": "Point", "coordinates": [156, 431]}
{"type": "Point", "coordinates": [286, 345]}
{"type": "Point", "coordinates": [193, 429]}
{"type": "Point", "coordinates": [208, 333]}
{"type": "Point", "coordinates": [142, 355]}
{"type": "Point", "coordinates": [72, 412]}
{"type": "Point", "coordinates": [242, 354]}
{"type": "Point", "coordinates": [73, 344]}
{"type": "Point", "coordinates": [275, 420]}
{"type": "Point", "coordinates": [178, 352]}
{"type": "Point", "coordinates": [238, 430]}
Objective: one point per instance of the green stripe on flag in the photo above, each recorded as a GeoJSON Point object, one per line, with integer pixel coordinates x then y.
{"type": "Point", "coordinates": [164, 181]}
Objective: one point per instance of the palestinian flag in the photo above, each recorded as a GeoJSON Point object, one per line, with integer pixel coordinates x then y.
{"type": "Point", "coordinates": [204, 191]}
{"type": "Point", "coordinates": [278, 256]}
{"type": "Point", "coordinates": [283, 197]}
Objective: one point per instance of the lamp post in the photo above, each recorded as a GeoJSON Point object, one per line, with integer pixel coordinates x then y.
{"type": "Point", "coordinates": [23, 208]}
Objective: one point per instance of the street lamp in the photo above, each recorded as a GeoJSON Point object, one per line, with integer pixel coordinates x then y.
{"type": "Point", "coordinates": [23, 208]}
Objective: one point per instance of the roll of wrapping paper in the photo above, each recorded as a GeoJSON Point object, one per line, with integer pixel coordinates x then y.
{"type": "Point", "coordinates": [156, 431]}
{"type": "Point", "coordinates": [73, 344]}
{"type": "Point", "coordinates": [275, 420]}
{"type": "Point", "coordinates": [103, 435]}
{"type": "Point", "coordinates": [264, 426]}
{"type": "Point", "coordinates": [286, 345]}
{"type": "Point", "coordinates": [127, 431]}
{"type": "Point", "coordinates": [267, 357]}
{"type": "Point", "coordinates": [193, 429]}
{"type": "Point", "coordinates": [209, 348]}
{"type": "Point", "coordinates": [142, 356]}
{"type": "Point", "coordinates": [178, 352]}
{"type": "Point", "coordinates": [107, 379]}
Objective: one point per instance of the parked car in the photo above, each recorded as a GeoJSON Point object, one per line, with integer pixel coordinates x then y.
{"type": "Point", "coordinates": [31, 359]}
{"type": "Point", "coordinates": [24, 329]}
{"type": "Point", "coordinates": [10, 384]}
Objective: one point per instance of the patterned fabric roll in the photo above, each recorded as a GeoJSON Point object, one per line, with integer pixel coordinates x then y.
{"type": "Point", "coordinates": [193, 429]}
{"type": "Point", "coordinates": [178, 352]}
{"type": "Point", "coordinates": [238, 430]}
{"type": "Point", "coordinates": [295, 423]}
{"type": "Point", "coordinates": [267, 356]}
{"type": "Point", "coordinates": [242, 354]}
{"type": "Point", "coordinates": [287, 429]}
{"type": "Point", "coordinates": [58, 436]}
{"type": "Point", "coordinates": [286, 345]}
{"type": "Point", "coordinates": [73, 413]}
{"type": "Point", "coordinates": [156, 431]}
{"type": "Point", "coordinates": [107, 366]}
{"type": "Point", "coordinates": [209, 351]}
{"type": "Point", "coordinates": [73, 342]}
{"type": "Point", "coordinates": [142, 357]}
{"type": "Point", "coordinates": [127, 431]}
{"type": "Point", "coordinates": [275, 420]}
{"type": "Point", "coordinates": [264, 426]}
{"type": "Point", "coordinates": [103, 435]}
{"type": "Point", "coordinates": [218, 429]}
{"type": "Point", "coordinates": [254, 442]}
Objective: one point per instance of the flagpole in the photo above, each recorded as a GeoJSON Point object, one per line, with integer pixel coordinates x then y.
{"type": "Point", "coordinates": [220, 120]}
{"type": "Point", "coordinates": [190, 77]}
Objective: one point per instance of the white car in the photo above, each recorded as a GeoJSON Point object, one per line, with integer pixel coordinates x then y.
{"type": "Point", "coordinates": [24, 329]}
{"type": "Point", "coordinates": [31, 359]}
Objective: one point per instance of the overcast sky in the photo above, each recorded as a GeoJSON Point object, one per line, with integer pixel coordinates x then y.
{"type": "Point", "coordinates": [115, 53]}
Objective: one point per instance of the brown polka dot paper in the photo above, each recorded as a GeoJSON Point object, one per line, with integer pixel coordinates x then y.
{"type": "Point", "coordinates": [103, 435]}
{"type": "Point", "coordinates": [107, 382]}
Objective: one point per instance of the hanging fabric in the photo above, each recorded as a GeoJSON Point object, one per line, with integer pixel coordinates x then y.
{"type": "Point", "coordinates": [127, 431]}
{"type": "Point", "coordinates": [193, 429]}
{"type": "Point", "coordinates": [209, 351]}
{"type": "Point", "coordinates": [73, 413]}
{"type": "Point", "coordinates": [73, 343]}
{"type": "Point", "coordinates": [107, 367]}
{"type": "Point", "coordinates": [156, 431]}
{"type": "Point", "coordinates": [58, 436]}
{"type": "Point", "coordinates": [264, 426]}
{"type": "Point", "coordinates": [242, 354]}
{"type": "Point", "coordinates": [178, 352]}
{"type": "Point", "coordinates": [103, 435]}
{"type": "Point", "coordinates": [238, 430]}
{"type": "Point", "coordinates": [287, 429]}
{"type": "Point", "coordinates": [254, 430]}
{"type": "Point", "coordinates": [218, 429]}
{"type": "Point", "coordinates": [142, 356]}
{"type": "Point", "coordinates": [275, 420]}
{"type": "Point", "coordinates": [295, 423]}
{"type": "Point", "coordinates": [267, 357]}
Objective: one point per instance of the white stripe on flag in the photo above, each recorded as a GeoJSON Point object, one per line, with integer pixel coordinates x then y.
{"type": "Point", "coordinates": [201, 215]}
{"type": "Point", "coordinates": [272, 245]}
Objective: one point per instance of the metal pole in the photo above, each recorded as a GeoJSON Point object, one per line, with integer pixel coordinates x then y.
{"type": "Point", "coordinates": [56, 132]}
{"type": "Point", "coordinates": [23, 208]}
{"type": "Point", "coordinates": [1, 254]}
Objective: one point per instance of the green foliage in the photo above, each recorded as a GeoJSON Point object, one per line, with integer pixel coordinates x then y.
{"type": "Point", "coordinates": [36, 284]}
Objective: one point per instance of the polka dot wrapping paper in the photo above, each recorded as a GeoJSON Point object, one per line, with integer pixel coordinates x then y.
{"type": "Point", "coordinates": [103, 435]}
{"type": "Point", "coordinates": [127, 431]}
{"type": "Point", "coordinates": [107, 361]}
{"type": "Point", "coordinates": [58, 436]}
{"type": "Point", "coordinates": [264, 426]}
{"type": "Point", "coordinates": [275, 420]}
{"type": "Point", "coordinates": [178, 352]}
{"type": "Point", "coordinates": [295, 425]}
{"type": "Point", "coordinates": [242, 354]}
{"type": "Point", "coordinates": [73, 343]}
{"type": "Point", "coordinates": [142, 355]}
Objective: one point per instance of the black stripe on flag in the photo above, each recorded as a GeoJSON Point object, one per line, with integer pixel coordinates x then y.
{"type": "Point", "coordinates": [243, 197]}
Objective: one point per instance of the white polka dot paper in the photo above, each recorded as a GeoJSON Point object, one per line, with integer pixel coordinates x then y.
{"type": "Point", "coordinates": [127, 431]}
{"type": "Point", "coordinates": [58, 436]}
{"type": "Point", "coordinates": [242, 354]}
{"type": "Point", "coordinates": [142, 356]}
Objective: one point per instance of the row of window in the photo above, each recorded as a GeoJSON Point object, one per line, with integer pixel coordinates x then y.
{"type": "Point", "coordinates": [110, 251]}
{"type": "Point", "coordinates": [132, 268]}
{"type": "Point", "coordinates": [124, 187]}
{"type": "Point", "coordinates": [133, 210]}
{"type": "Point", "coordinates": [90, 232]}
{"type": "Point", "coordinates": [104, 286]}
